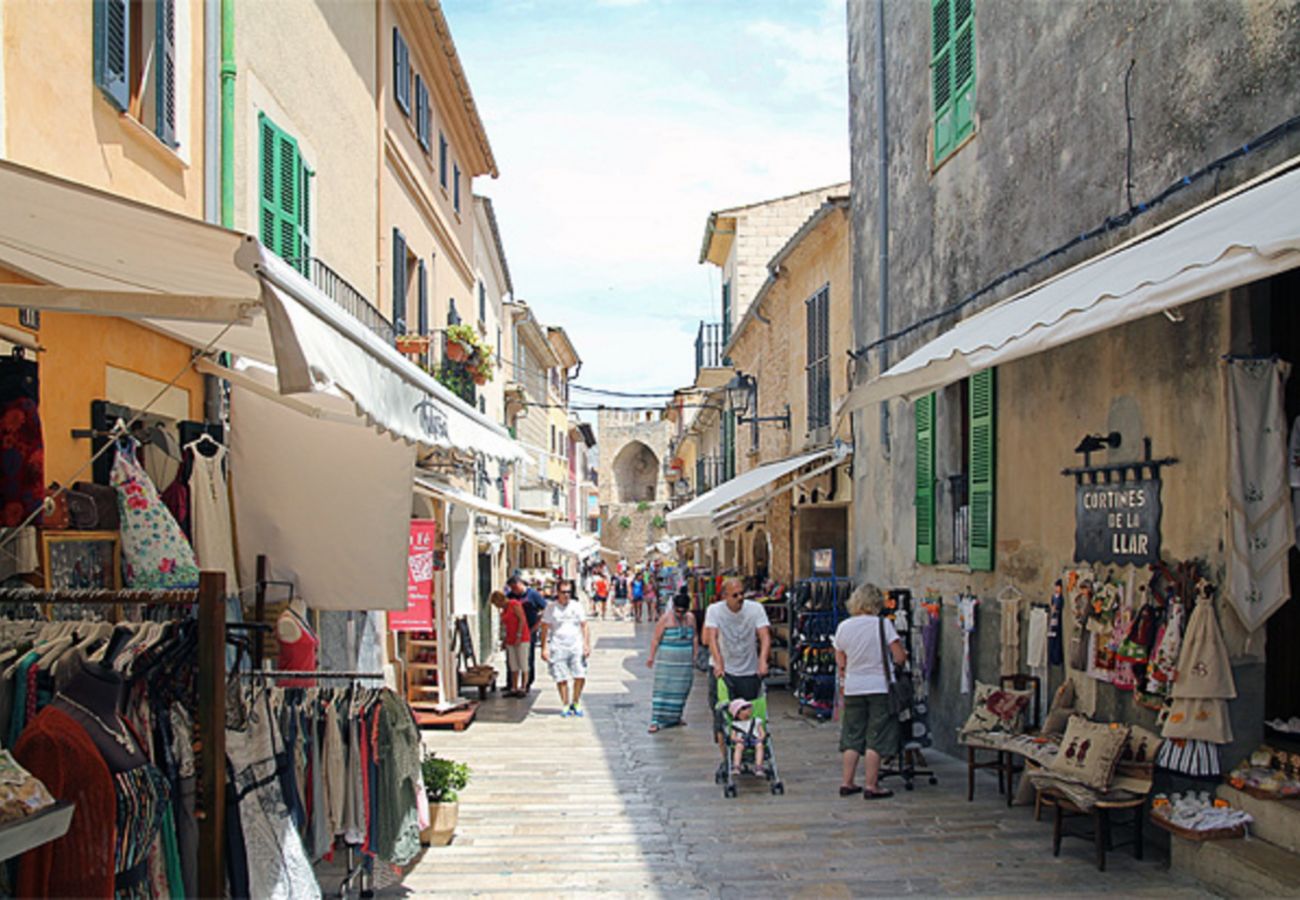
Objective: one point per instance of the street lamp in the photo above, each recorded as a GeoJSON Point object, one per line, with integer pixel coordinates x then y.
{"type": "Point", "coordinates": [742, 397]}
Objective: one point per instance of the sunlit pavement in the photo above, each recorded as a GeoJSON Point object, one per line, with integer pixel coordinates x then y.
{"type": "Point", "coordinates": [574, 807]}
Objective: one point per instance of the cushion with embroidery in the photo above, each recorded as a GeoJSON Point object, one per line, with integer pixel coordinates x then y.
{"type": "Point", "coordinates": [996, 709]}
{"type": "Point", "coordinates": [1090, 752]}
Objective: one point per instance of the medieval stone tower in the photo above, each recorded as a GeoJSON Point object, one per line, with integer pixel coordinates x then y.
{"type": "Point", "coordinates": [633, 492]}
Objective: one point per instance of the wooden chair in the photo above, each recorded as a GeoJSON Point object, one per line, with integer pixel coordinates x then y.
{"type": "Point", "coordinates": [1003, 761]}
{"type": "Point", "coordinates": [1101, 822]}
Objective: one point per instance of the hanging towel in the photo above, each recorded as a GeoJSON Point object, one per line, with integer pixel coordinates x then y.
{"type": "Point", "coordinates": [966, 620]}
{"type": "Point", "coordinates": [1261, 523]}
{"type": "Point", "coordinates": [1204, 684]}
{"type": "Point", "coordinates": [1056, 628]}
{"type": "Point", "coordinates": [1010, 643]}
{"type": "Point", "coordinates": [1036, 651]}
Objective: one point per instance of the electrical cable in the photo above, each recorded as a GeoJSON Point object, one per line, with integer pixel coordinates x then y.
{"type": "Point", "coordinates": [668, 395]}
{"type": "Point", "coordinates": [1271, 136]}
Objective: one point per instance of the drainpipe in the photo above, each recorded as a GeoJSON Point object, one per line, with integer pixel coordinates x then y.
{"type": "Point", "coordinates": [882, 216]}
{"type": "Point", "coordinates": [228, 113]}
{"type": "Point", "coordinates": [211, 111]}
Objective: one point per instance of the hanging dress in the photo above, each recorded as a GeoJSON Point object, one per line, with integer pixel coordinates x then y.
{"type": "Point", "coordinates": [155, 554]}
{"type": "Point", "coordinates": [674, 673]}
{"type": "Point", "coordinates": [214, 543]}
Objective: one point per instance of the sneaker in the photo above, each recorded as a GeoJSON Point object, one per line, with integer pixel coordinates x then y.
{"type": "Point", "coordinates": [576, 710]}
{"type": "Point", "coordinates": [566, 712]}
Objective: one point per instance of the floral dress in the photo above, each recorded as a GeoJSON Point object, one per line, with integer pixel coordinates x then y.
{"type": "Point", "coordinates": [155, 554]}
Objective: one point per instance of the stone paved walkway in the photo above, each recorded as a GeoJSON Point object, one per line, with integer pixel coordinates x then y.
{"type": "Point", "coordinates": [573, 807]}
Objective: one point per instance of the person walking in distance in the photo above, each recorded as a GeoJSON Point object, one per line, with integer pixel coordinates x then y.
{"type": "Point", "coordinates": [534, 604]}
{"type": "Point", "coordinates": [638, 596]}
{"type": "Point", "coordinates": [601, 591]}
{"type": "Point", "coordinates": [739, 636]}
{"type": "Point", "coordinates": [566, 644]}
{"type": "Point", "coordinates": [516, 639]}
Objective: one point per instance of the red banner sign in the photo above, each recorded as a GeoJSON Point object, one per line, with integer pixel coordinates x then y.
{"type": "Point", "coordinates": [418, 615]}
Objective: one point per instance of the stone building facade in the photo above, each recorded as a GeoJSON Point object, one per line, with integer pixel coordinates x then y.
{"type": "Point", "coordinates": [633, 491]}
{"type": "Point", "coordinates": [994, 202]}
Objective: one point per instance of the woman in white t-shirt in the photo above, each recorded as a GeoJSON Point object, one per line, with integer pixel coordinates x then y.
{"type": "Point", "coordinates": [867, 727]}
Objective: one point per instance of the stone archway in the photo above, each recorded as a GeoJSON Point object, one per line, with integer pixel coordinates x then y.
{"type": "Point", "coordinates": [636, 473]}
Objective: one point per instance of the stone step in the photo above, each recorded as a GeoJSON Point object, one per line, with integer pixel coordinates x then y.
{"type": "Point", "coordinates": [1276, 821]}
{"type": "Point", "coordinates": [1239, 868]}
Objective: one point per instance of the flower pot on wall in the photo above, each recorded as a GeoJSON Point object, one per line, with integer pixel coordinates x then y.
{"type": "Point", "coordinates": [443, 818]}
{"type": "Point", "coordinates": [457, 352]}
{"type": "Point", "coordinates": [412, 343]}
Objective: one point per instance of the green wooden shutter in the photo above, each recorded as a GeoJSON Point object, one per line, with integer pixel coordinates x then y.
{"type": "Point", "coordinates": [165, 71]}
{"type": "Point", "coordinates": [399, 282]}
{"type": "Point", "coordinates": [983, 467]}
{"type": "Point", "coordinates": [304, 217]}
{"type": "Point", "coordinates": [112, 50]}
{"type": "Point", "coordinates": [924, 501]}
{"type": "Point", "coordinates": [283, 196]}
{"type": "Point", "coordinates": [401, 73]}
{"type": "Point", "coordinates": [269, 181]}
{"type": "Point", "coordinates": [952, 73]}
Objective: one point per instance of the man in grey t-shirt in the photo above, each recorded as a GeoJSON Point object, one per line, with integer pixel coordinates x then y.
{"type": "Point", "coordinates": [738, 636]}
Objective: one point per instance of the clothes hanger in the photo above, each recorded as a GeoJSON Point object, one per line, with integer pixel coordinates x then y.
{"type": "Point", "coordinates": [202, 441]}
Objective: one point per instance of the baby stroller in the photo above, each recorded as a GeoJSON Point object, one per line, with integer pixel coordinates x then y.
{"type": "Point", "coordinates": [726, 774]}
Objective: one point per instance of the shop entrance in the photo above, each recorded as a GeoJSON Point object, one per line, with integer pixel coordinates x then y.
{"type": "Point", "coordinates": [1282, 668]}
{"type": "Point", "coordinates": [485, 611]}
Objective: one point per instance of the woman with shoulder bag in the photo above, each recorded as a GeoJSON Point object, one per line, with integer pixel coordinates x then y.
{"type": "Point", "coordinates": [869, 722]}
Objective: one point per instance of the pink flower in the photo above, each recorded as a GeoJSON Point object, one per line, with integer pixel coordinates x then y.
{"type": "Point", "coordinates": [167, 566]}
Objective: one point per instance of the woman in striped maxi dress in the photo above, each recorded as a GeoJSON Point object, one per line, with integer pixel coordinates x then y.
{"type": "Point", "coordinates": [672, 656]}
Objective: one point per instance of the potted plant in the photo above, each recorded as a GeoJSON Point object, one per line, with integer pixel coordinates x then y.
{"type": "Point", "coordinates": [412, 343]}
{"type": "Point", "coordinates": [461, 342]}
{"type": "Point", "coordinates": [481, 366]}
{"type": "Point", "coordinates": [443, 781]}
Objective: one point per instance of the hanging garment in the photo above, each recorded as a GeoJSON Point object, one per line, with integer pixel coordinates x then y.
{"type": "Point", "coordinates": [1036, 651]}
{"type": "Point", "coordinates": [1204, 684]}
{"type": "Point", "coordinates": [22, 448]}
{"type": "Point", "coordinates": [214, 542]}
{"type": "Point", "coordinates": [397, 825]}
{"type": "Point", "coordinates": [1197, 758]}
{"type": "Point", "coordinates": [966, 606]}
{"type": "Point", "coordinates": [1261, 524]}
{"type": "Point", "coordinates": [155, 554]}
{"type": "Point", "coordinates": [1056, 628]}
{"type": "Point", "coordinates": [143, 796]}
{"type": "Point", "coordinates": [1122, 672]}
{"type": "Point", "coordinates": [277, 863]}
{"type": "Point", "coordinates": [1010, 634]}
{"type": "Point", "coordinates": [1163, 668]}
{"type": "Point", "coordinates": [930, 642]}
{"type": "Point", "coordinates": [176, 496]}
{"type": "Point", "coordinates": [1081, 605]}
{"type": "Point", "coordinates": [299, 655]}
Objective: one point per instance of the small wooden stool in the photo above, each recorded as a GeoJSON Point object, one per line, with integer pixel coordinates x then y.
{"type": "Point", "coordinates": [1101, 822]}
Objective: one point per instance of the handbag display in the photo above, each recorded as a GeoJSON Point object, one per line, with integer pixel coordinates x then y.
{"type": "Point", "coordinates": [103, 499]}
{"type": "Point", "coordinates": [899, 684]}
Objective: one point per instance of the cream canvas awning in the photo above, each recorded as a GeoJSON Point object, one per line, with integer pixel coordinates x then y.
{"type": "Point", "coordinates": [1243, 236]}
{"type": "Point", "coordinates": [696, 519]}
{"type": "Point", "coordinates": [441, 490]}
{"type": "Point", "coordinates": [558, 537]}
{"type": "Point", "coordinates": [206, 286]}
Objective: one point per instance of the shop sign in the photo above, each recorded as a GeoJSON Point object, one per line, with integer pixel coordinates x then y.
{"type": "Point", "coordinates": [1117, 523]}
{"type": "Point", "coordinates": [418, 615]}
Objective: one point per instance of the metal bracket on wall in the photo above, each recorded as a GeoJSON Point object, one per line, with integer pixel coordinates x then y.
{"type": "Point", "coordinates": [1118, 473]}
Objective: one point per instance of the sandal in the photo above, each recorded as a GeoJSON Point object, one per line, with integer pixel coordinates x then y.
{"type": "Point", "coordinates": [877, 794]}
{"type": "Point", "coordinates": [850, 790]}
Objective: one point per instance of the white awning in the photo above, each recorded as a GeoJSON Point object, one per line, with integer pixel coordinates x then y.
{"type": "Point", "coordinates": [452, 494]}
{"type": "Point", "coordinates": [1244, 236]}
{"type": "Point", "coordinates": [557, 537]}
{"type": "Point", "coordinates": [695, 519]}
{"type": "Point", "coordinates": [206, 286]}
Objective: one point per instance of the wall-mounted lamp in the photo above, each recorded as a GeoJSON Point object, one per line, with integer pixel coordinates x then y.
{"type": "Point", "coordinates": [742, 396]}
{"type": "Point", "coordinates": [1094, 442]}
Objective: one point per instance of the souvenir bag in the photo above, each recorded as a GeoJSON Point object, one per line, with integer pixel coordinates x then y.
{"type": "Point", "coordinates": [900, 683]}
{"type": "Point", "coordinates": [155, 554]}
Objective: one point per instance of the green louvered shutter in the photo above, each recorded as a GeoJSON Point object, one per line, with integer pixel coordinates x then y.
{"type": "Point", "coordinates": [399, 282]}
{"type": "Point", "coordinates": [924, 412]}
{"type": "Point", "coordinates": [269, 181]}
{"type": "Point", "coordinates": [112, 50]}
{"type": "Point", "coordinates": [165, 71]}
{"type": "Point", "coordinates": [283, 196]}
{"type": "Point", "coordinates": [983, 465]}
{"type": "Point", "coordinates": [952, 73]}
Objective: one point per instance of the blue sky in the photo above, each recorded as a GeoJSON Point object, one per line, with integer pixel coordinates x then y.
{"type": "Point", "coordinates": [618, 125]}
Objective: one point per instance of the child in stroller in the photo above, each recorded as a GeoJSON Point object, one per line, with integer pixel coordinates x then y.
{"type": "Point", "coordinates": [748, 744]}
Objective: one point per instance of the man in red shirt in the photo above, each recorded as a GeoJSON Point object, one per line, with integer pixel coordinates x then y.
{"type": "Point", "coordinates": [515, 638]}
{"type": "Point", "coordinates": [601, 590]}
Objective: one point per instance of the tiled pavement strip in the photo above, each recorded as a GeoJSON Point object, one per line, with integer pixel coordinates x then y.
{"type": "Point", "coordinates": [575, 807]}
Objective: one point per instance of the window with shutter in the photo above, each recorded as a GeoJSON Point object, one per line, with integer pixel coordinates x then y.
{"type": "Point", "coordinates": [817, 364]}
{"type": "Point", "coordinates": [923, 410]}
{"type": "Point", "coordinates": [283, 196]}
{"type": "Point", "coordinates": [401, 73]}
{"type": "Point", "coordinates": [983, 444]}
{"type": "Point", "coordinates": [422, 300]}
{"type": "Point", "coordinates": [165, 72]}
{"type": "Point", "coordinates": [442, 160]}
{"type": "Point", "coordinates": [952, 73]}
{"type": "Point", "coordinates": [399, 282]}
{"type": "Point", "coordinates": [422, 112]}
{"type": "Point", "coordinates": [112, 46]}
{"type": "Point", "coordinates": [455, 187]}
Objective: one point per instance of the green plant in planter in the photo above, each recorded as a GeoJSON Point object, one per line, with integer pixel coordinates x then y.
{"type": "Point", "coordinates": [443, 778]}
{"type": "Point", "coordinates": [643, 506]}
{"type": "Point", "coordinates": [625, 522]}
{"type": "Point", "coordinates": [658, 522]}
{"type": "Point", "coordinates": [481, 367]}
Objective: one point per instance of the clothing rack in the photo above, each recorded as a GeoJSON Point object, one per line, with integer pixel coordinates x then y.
{"type": "Point", "coordinates": [210, 598]}
{"type": "Point", "coordinates": [309, 673]}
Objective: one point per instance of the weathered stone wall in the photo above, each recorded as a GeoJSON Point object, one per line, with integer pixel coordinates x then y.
{"type": "Point", "coordinates": [615, 432]}
{"type": "Point", "coordinates": [1048, 162]}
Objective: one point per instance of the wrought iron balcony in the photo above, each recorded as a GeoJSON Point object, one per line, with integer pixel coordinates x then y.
{"type": "Point", "coordinates": [338, 289]}
{"type": "Point", "coordinates": [709, 341]}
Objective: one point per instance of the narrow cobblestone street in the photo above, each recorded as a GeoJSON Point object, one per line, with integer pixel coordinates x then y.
{"type": "Point", "coordinates": [566, 807]}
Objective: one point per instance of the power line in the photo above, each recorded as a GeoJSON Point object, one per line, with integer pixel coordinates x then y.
{"type": "Point", "coordinates": [632, 394]}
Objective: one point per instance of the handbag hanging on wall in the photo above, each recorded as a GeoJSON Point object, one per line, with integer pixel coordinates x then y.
{"type": "Point", "coordinates": [899, 684]}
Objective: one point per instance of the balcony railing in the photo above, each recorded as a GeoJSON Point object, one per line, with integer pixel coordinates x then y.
{"type": "Point", "coordinates": [709, 473]}
{"type": "Point", "coordinates": [709, 341]}
{"type": "Point", "coordinates": [338, 289]}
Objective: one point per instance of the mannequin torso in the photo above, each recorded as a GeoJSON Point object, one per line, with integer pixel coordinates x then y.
{"type": "Point", "coordinates": [91, 698]}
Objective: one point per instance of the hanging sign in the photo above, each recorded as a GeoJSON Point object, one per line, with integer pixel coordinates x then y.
{"type": "Point", "coordinates": [1117, 523]}
{"type": "Point", "coordinates": [418, 615]}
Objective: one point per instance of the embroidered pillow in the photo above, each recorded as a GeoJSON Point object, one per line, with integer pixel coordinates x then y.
{"type": "Point", "coordinates": [996, 709]}
{"type": "Point", "coordinates": [1089, 752]}
{"type": "Point", "coordinates": [1057, 719]}
{"type": "Point", "coordinates": [1141, 747]}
